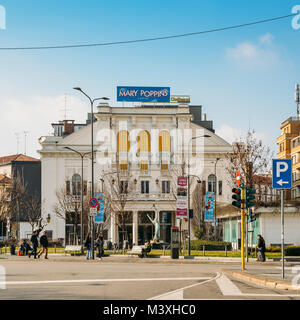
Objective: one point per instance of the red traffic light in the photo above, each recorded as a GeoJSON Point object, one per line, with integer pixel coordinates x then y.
{"type": "Point", "coordinates": [235, 190]}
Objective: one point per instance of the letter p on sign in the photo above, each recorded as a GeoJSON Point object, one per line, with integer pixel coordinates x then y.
{"type": "Point", "coordinates": [281, 167]}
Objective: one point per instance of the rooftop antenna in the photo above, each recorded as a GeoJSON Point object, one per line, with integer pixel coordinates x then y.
{"type": "Point", "coordinates": [65, 109]}
{"type": "Point", "coordinates": [297, 98]}
{"type": "Point", "coordinates": [17, 134]}
{"type": "Point", "coordinates": [25, 138]}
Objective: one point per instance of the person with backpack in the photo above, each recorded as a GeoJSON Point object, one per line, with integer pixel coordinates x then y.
{"type": "Point", "coordinates": [261, 247]}
{"type": "Point", "coordinates": [88, 245]}
{"type": "Point", "coordinates": [44, 244]}
{"type": "Point", "coordinates": [35, 244]}
{"type": "Point", "coordinates": [100, 245]}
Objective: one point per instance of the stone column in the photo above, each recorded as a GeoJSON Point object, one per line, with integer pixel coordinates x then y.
{"type": "Point", "coordinates": [135, 228]}
{"type": "Point", "coordinates": [113, 229]}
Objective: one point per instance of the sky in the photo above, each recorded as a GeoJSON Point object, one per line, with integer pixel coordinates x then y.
{"type": "Point", "coordinates": [244, 78]}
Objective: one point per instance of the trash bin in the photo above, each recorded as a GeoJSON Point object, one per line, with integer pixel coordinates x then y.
{"type": "Point", "coordinates": [12, 249]}
{"type": "Point", "coordinates": [175, 243]}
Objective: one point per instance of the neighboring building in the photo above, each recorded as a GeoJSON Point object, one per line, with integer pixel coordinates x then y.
{"type": "Point", "coordinates": [28, 169]}
{"type": "Point", "coordinates": [151, 170]}
{"type": "Point", "coordinates": [288, 147]}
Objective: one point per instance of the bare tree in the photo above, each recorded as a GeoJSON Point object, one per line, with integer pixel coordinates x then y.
{"type": "Point", "coordinates": [246, 150]}
{"type": "Point", "coordinates": [32, 212]}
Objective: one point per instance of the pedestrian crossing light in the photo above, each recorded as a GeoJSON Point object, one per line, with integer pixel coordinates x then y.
{"type": "Point", "coordinates": [252, 216]}
{"type": "Point", "coordinates": [250, 196]}
{"type": "Point", "coordinates": [236, 197]}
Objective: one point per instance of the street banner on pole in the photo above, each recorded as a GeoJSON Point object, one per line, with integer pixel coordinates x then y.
{"type": "Point", "coordinates": [99, 218]}
{"type": "Point", "coordinates": [181, 206]}
{"type": "Point", "coordinates": [209, 207]}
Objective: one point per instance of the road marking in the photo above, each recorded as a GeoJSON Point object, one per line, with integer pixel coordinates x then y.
{"type": "Point", "coordinates": [227, 287]}
{"type": "Point", "coordinates": [178, 293]}
{"type": "Point", "coordinates": [100, 280]}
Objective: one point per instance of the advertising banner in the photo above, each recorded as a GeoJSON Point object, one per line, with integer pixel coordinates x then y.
{"type": "Point", "coordinates": [99, 218]}
{"type": "Point", "coordinates": [143, 94]}
{"type": "Point", "coordinates": [181, 206]}
{"type": "Point", "coordinates": [209, 207]}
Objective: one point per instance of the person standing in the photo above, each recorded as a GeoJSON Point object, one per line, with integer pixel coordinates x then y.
{"type": "Point", "coordinates": [35, 244]}
{"type": "Point", "coordinates": [100, 245]}
{"type": "Point", "coordinates": [88, 245]}
{"type": "Point", "coordinates": [261, 247]}
{"type": "Point", "coordinates": [44, 244]}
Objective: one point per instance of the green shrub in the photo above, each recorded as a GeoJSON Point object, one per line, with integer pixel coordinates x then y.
{"type": "Point", "coordinates": [210, 245]}
{"type": "Point", "coordinates": [292, 251]}
{"type": "Point", "coordinates": [273, 249]}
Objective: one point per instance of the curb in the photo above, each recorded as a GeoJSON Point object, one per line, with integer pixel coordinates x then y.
{"type": "Point", "coordinates": [262, 281]}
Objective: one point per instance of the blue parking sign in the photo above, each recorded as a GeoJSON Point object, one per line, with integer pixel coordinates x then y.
{"type": "Point", "coordinates": [282, 174]}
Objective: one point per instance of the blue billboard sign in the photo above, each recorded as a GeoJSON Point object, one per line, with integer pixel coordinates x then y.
{"type": "Point", "coordinates": [99, 218]}
{"type": "Point", "coordinates": [143, 94]}
{"type": "Point", "coordinates": [209, 207]}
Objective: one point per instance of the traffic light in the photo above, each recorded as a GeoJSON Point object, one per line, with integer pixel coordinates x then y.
{"type": "Point", "coordinates": [236, 197]}
{"type": "Point", "coordinates": [252, 216]}
{"type": "Point", "coordinates": [250, 196]}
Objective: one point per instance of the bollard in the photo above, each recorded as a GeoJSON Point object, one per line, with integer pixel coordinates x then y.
{"type": "Point", "coordinates": [225, 250]}
{"type": "Point", "coordinates": [164, 250]}
{"type": "Point", "coordinates": [55, 248]}
{"type": "Point", "coordinates": [203, 250]}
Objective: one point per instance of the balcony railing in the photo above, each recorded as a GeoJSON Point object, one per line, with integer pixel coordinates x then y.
{"type": "Point", "coordinates": [155, 196]}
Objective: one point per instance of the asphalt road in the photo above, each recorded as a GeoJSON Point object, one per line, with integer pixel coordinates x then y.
{"type": "Point", "coordinates": [129, 280]}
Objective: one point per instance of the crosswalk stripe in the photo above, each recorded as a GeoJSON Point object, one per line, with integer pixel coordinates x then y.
{"type": "Point", "coordinates": [227, 287]}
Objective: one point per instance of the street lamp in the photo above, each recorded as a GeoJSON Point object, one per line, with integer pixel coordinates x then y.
{"type": "Point", "coordinates": [82, 155]}
{"type": "Point", "coordinates": [189, 220]}
{"type": "Point", "coordinates": [92, 138]}
{"type": "Point", "coordinates": [215, 206]}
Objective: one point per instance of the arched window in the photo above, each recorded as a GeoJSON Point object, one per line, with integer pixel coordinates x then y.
{"type": "Point", "coordinates": [123, 143]}
{"type": "Point", "coordinates": [123, 146]}
{"type": "Point", "coordinates": [164, 142]}
{"type": "Point", "coordinates": [212, 183]}
{"type": "Point", "coordinates": [164, 147]}
{"type": "Point", "coordinates": [144, 141]}
{"type": "Point", "coordinates": [76, 184]}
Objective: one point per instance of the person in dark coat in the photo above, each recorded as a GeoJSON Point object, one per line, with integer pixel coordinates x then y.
{"type": "Point", "coordinates": [261, 247]}
{"type": "Point", "coordinates": [100, 245]}
{"type": "Point", "coordinates": [88, 245]}
{"type": "Point", "coordinates": [35, 244]}
{"type": "Point", "coordinates": [44, 244]}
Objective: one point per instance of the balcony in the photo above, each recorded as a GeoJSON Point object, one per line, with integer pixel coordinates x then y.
{"type": "Point", "coordinates": [153, 196]}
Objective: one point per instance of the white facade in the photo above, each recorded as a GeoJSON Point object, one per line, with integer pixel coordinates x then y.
{"type": "Point", "coordinates": [60, 164]}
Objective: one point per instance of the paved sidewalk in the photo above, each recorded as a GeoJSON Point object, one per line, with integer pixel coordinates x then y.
{"type": "Point", "coordinates": [270, 276]}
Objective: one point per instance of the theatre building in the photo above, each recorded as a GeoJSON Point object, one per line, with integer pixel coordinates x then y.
{"type": "Point", "coordinates": [140, 151]}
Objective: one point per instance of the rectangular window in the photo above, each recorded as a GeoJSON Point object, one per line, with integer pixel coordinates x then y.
{"type": "Point", "coordinates": [123, 165]}
{"type": "Point", "coordinates": [165, 186]}
{"type": "Point", "coordinates": [144, 186]}
{"type": "Point", "coordinates": [68, 188]}
{"type": "Point", "coordinates": [124, 186]}
{"type": "Point", "coordinates": [144, 166]}
{"type": "Point", "coordinates": [220, 188]}
{"type": "Point", "coordinates": [164, 165]}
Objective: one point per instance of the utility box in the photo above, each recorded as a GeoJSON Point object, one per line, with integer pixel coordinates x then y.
{"type": "Point", "coordinates": [175, 243]}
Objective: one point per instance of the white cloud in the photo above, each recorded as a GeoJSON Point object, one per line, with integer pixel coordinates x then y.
{"type": "Point", "coordinates": [35, 115]}
{"type": "Point", "coordinates": [266, 38]}
{"type": "Point", "coordinates": [258, 53]}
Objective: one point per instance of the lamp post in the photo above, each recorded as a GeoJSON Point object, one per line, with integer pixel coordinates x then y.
{"type": "Point", "coordinates": [82, 155]}
{"type": "Point", "coordinates": [215, 207]}
{"type": "Point", "coordinates": [92, 141]}
{"type": "Point", "coordinates": [189, 220]}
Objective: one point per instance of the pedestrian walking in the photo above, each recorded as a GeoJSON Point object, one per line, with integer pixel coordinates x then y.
{"type": "Point", "coordinates": [261, 247]}
{"type": "Point", "coordinates": [88, 245]}
{"type": "Point", "coordinates": [100, 245]}
{"type": "Point", "coordinates": [35, 244]}
{"type": "Point", "coordinates": [44, 244]}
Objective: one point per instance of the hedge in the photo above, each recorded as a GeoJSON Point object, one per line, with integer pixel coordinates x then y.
{"type": "Point", "coordinates": [292, 251]}
{"type": "Point", "coordinates": [210, 245]}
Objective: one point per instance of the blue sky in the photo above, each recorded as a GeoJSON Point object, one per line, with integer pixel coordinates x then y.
{"type": "Point", "coordinates": [243, 77]}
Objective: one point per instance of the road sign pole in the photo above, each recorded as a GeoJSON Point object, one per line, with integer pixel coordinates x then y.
{"type": "Point", "coordinates": [282, 233]}
{"type": "Point", "coordinates": [243, 227]}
